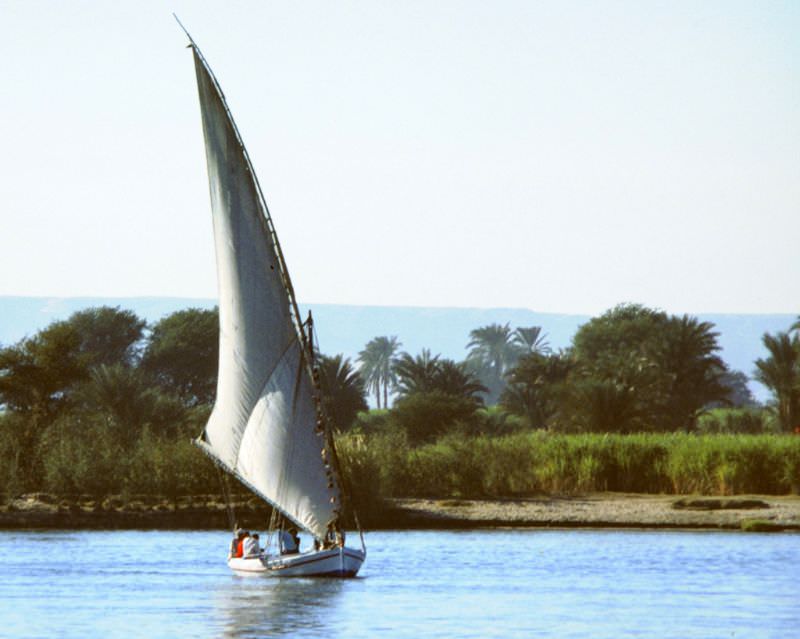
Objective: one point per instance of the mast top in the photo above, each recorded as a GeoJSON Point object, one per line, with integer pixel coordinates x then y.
{"type": "Point", "coordinates": [180, 24]}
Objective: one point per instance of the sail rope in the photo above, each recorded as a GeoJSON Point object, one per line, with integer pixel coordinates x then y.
{"type": "Point", "coordinates": [345, 487]}
{"type": "Point", "coordinates": [272, 527]}
{"type": "Point", "coordinates": [226, 494]}
{"type": "Point", "coordinates": [324, 413]}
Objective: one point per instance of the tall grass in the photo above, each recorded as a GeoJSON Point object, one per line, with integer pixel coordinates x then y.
{"type": "Point", "coordinates": [750, 421]}
{"type": "Point", "coordinates": [536, 463]}
{"type": "Point", "coordinates": [81, 456]}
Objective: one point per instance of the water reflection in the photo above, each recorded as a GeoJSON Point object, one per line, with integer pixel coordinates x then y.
{"type": "Point", "coordinates": [260, 605]}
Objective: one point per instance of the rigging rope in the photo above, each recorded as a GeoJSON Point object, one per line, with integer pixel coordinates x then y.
{"type": "Point", "coordinates": [226, 493]}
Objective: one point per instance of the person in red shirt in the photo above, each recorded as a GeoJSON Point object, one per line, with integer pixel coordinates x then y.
{"type": "Point", "coordinates": [241, 536]}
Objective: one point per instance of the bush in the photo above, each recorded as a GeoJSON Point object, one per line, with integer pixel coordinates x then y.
{"type": "Point", "coordinates": [493, 420]}
{"type": "Point", "coordinates": [11, 479]}
{"type": "Point", "coordinates": [79, 455]}
{"type": "Point", "coordinates": [751, 421]}
{"type": "Point", "coordinates": [732, 464]}
{"type": "Point", "coordinates": [361, 474]}
{"type": "Point", "coordinates": [529, 463]}
{"type": "Point", "coordinates": [424, 416]}
{"type": "Point", "coordinates": [371, 421]}
{"type": "Point", "coordinates": [373, 467]}
{"type": "Point", "coordinates": [169, 467]}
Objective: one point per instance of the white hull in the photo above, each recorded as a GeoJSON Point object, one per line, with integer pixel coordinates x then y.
{"type": "Point", "coordinates": [336, 562]}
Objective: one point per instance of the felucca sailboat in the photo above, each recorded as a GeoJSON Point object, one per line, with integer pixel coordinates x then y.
{"type": "Point", "coordinates": [268, 428]}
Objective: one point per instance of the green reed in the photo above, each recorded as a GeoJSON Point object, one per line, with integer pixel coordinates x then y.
{"type": "Point", "coordinates": [535, 463]}
{"type": "Point", "coordinates": [81, 456]}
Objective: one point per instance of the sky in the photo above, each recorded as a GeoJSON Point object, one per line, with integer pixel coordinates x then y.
{"type": "Point", "coordinates": [558, 156]}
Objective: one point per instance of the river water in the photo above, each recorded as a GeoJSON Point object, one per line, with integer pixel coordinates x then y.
{"type": "Point", "coordinates": [497, 583]}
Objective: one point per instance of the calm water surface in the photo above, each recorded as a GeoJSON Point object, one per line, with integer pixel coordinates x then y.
{"type": "Point", "coordinates": [414, 584]}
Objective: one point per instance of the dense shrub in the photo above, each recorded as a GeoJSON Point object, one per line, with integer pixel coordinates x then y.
{"type": "Point", "coordinates": [11, 452]}
{"type": "Point", "coordinates": [531, 463]}
{"type": "Point", "coordinates": [751, 421]}
{"type": "Point", "coordinates": [372, 421]}
{"type": "Point", "coordinates": [79, 455]}
{"type": "Point", "coordinates": [426, 415]}
{"type": "Point", "coordinates": [82, 454]}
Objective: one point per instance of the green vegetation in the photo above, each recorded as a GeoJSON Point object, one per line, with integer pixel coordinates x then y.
{"type": "Point", "coordinates": [780, 372]}
{"type": "Point", "coordinates": [93, 404]}
{"type": "Point", "coordinates": [495, 349]}
{"type": "Point", "coordinates": [101, 404]}
{"type": "Point", "coordinates": [182, 355]}
{"type": "Point", "coordinates": [342, 387]}
{"type": "Point", "coordinates": [637, 369]}
{"type": "Point", "coordinates": [83, 455]}
{"type": "Point", "coordinates": [377, 367]}
{"type": "Point", "coordinates": [761, 525]}
{"type": "Point", "coordinates": [747, 420]}
{"type": "Point", "coordinates": [529, 463]}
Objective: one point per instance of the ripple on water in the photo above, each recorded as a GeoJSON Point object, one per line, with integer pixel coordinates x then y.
{"type": "Point", "coordinates": [509, 583]}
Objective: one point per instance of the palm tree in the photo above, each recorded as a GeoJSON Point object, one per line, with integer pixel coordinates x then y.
{"type": "Point", "coordinates": [343, 389]}
{"type": "Point", "coordinates": [416, 374]}
{"type": "Point", "coordinates": [534, 387]}
{"type": "Point", "coordinates": [376, 367]}
{"type": "Point", "coordinates": [603, 406]}
{"type": "Point", "coordinates": [435, 395]}
{"type": "Point", "coordinates": [430, 374]}
{"type": "Point", "coordinates": [128, 401]}
{"type": "Point", "coordinates": [453, 378]}
{"type": "Point", "coordinates": [780, 372]}
{"type": "Point", "coordinates": [530, 339]}
{"type": "Point", "coordinates": [492, 353]}
{"type": "Point", "coordinates": [693, 371]}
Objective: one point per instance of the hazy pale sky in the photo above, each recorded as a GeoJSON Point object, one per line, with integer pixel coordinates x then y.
{"type": "Point", "coordinates": [558, 156]}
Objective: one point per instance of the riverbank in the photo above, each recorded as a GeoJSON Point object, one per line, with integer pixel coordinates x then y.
{"type": "Point", "coordinates": [597, 510]}
{"type": "Point", "coordinates": [607, 510]}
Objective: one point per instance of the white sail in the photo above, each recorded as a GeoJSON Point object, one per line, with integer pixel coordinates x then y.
{"type": "Point", "coordinates": [263, 428]}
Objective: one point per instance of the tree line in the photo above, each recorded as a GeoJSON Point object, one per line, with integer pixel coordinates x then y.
{"type": "Point", "coordinates": [84, 392]}
{"type": "Point", "coordinates": [631, 369]}
{"type": "Point", "coordinates": [104, 393]}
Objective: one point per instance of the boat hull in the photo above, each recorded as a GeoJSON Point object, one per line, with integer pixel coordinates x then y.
{"type": "Point", "coordinates": [336, 562]}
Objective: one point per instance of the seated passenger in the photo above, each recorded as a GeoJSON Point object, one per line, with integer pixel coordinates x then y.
{"type": "Point", "coordinates": [334, 539]}
{"type": "Point", "coordinates": [234, 544]}
{"type": "Point", "coordinates": [243, 534]}
{"type": "Point", "coordinates": [250, 547]}
{"type": "Point", "coordinates": [289, 541]}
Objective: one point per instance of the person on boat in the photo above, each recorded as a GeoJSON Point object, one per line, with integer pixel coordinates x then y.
{"type": "Point", "coordinates": [235, 542]}
{"type": "Point", "coordinates": [243, 535]}
{"type": "Point", "coordinates": [289, 541]}
{"type": "Point", "coordinates": [250, 547]}
{"type": "Point", "coordinates": [334, 538]}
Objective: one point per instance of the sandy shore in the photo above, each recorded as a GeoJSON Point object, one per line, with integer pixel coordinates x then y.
{"type": "Point", "coordinates": [606, 510]}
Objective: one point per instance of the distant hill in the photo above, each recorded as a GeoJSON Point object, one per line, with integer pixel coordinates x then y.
{"type": "Point", "coordinates": [345, 329]}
